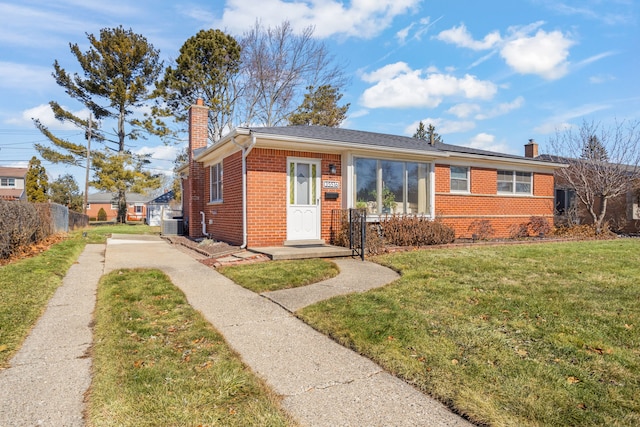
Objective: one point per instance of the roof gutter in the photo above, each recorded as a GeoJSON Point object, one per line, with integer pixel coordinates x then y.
{"type": "Point", "coordinates": [246, 149]}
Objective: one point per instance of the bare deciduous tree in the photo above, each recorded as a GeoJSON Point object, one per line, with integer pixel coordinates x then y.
{"type": "Point", "coordinates": [277, 66]}
{"type": "Point", "coordinates": [597, 176]}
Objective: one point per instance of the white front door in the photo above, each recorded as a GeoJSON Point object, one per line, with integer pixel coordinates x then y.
{"type": "Point", "coordinates": [303, 199]}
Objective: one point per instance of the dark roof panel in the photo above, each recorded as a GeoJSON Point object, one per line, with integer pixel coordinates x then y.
{"type": "Point", "coordinates": [374, 139]}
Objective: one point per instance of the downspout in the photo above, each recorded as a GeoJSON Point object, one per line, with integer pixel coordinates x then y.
{"type": "Point", "coordinates": [204, 225]}
{"type": "Point", "coordinates": [245, 152]}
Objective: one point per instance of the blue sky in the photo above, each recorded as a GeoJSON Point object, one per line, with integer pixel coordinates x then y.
{"type": "Point", "coordinates": [488, 74]}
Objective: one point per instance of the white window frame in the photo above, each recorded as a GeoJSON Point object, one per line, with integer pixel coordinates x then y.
{"type": "Point", "coordinates": [114, 206]}
{"type": "Point", "coordinates": [514, 182]}
{"type": "Point", "coordinates": [7, 182]}
{"type": "Point", "coordinates": [215, 183]}
{"type": "Point", "coordinates": [429, 178]}
{"type": "Point", "coordinates": [466, 179]}
{"type": "Point", "coordinates": [138, 208]}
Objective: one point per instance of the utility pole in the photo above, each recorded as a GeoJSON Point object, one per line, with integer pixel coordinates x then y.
{"type": "Point", "coordinates": [86, 177]}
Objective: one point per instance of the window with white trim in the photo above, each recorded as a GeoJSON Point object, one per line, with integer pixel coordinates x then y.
{"type": "Point", "coordinates": [7, 182]}
{"type": "Point", "coordinates": [215, 183]}
{"type": "Point", "coordinates": [515, 182]}
{"type": "Point", "coordinates": [391, 187]}
{"type": "Point", "coordinates": [138, 207]}
{"type": "Point", "coordinates": [114, 206]}
{"type": "Point", "coordinates": [459, 179]}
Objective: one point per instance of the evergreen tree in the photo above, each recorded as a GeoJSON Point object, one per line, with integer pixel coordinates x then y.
{"type": "Point", "coordinates": [432, 136]}
{"type": "Point", "coordinates": [37, 183]}
{"type": "Point", "coordinates": [118, 69]}
{"type": "Point", "coordinates": [593, 149]}
{"type": "Point", "coordinates": [320, 107]}
{"type": "Point", "coordinates": [65, 191]}
{"type": "Point", "coordinates": [421, 132]}
{"type": "Point", "coordinates": [204, 69]}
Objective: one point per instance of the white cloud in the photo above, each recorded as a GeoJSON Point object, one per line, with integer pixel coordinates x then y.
{"type": "Point", "coordinates": [398, 86]}
{"type": "Point", "coordinates": [544, 54]}
{"type": "Point", "coordinates": [160, 152]}
{"type": "Point", "coordinates": [28, 77]}
{"type": "Point", "coordinates": [464, 110]}
{"type": "Point", "coordinates": [485, 141]}
{"type": "Point", "coordinates": [562, 120]}
{"type": "Point", "coordinates": [461, 37]}
{"type": "Point", "coordinates": [442, 126]}
{"type": "Point", "coordinates": [44, 113]}
{"type": "Point", "coordinates": [501, 109]}
{"type": "Point", "coordinates": [361, 18]}
{"type": "Point", "coordinates": [421, 28]}
{"type": "Point", "coordinates": [601, 78]}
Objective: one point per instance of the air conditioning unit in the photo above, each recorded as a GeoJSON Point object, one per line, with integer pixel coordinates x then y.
{"type": "Point", "coordinates": [173, 227]}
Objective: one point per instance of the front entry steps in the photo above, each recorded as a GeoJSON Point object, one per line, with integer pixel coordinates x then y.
{"type": "Point", "coordinates": [317, 249]}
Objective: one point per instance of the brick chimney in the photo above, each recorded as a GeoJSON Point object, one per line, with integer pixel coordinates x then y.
{"type": "Point", "coordinates": [195, 187]}
{"type": "Point", "coordinates": [531, 149]}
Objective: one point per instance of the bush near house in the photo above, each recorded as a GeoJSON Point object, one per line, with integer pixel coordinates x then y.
{"type": "Point", "coordinates": [397, 230]}
{"type": "Point", "coordinates": [102, 215]}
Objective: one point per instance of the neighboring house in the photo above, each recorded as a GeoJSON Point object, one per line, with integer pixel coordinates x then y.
{"type": "Point", "coordinates": [161, 208]}
{"type": "Point", "coordinates": [136, 206]}
{"type": "Point", "coordinates": [623, 212]}
{"type": "Point", "coordinates": [12, 183]}
{"type": "Point", "coordinates": [270, 186]}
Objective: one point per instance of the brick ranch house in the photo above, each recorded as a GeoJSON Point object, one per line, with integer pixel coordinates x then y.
{"type": "Point", "coordinates": [136, 206]}
{"type": "Point", "coordinates": [272, 186]}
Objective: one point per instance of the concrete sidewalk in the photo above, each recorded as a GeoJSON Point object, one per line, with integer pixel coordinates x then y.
{"type": "Point", "coordinates": [49, 375]}
{"type": "Point", "coordinates": [321, 382]}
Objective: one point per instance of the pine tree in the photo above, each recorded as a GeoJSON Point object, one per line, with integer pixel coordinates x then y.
{"type": "Point", "coordinates": [118, 70]}
{"type": "Point", "coordinates": [37, 183]}
{"type": "Point", "coordinates": [593, 149]}
{"type": "Point", "coordinates": [320, 107]}
{"type": "Point", "coordinates": [421, 132]}
{"type": "Point", "coordinates": [204, 69]}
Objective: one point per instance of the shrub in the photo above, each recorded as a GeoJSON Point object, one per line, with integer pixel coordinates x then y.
{"type": "Point", "coordinates": [583, 231]}
{"type": "Point", "coordinates": [20, 225]}
{"type": "Point", "coordinates": [536, 226]}
{"type": "Point", "coordinates": [539, 225]}
{"type": "Point", "coordinates": [482, 229]}
{"type": "Point", "coordinates": [405, 230]}
{"type": "Point", "coordinates": [102, 215]}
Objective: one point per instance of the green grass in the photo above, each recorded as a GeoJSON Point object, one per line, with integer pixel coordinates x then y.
{"type": "Point", "coordinates": [100, 233]}
{"type": "Point", "coordinates": [525, 335]}
{"type": "Point", "coordinates": [275, 275]}
{"type": "Point", "coordinates": [27, 285]}
{"type": "Point", "coordinates": [25, 289]}
{"type": "Point", "coordinates": [158, 362]}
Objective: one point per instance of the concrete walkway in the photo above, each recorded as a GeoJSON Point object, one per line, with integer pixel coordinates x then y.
{"type": "Point", "coordinates": [49, 375]}
{"type": "Point", "coordinates": [321, 382]}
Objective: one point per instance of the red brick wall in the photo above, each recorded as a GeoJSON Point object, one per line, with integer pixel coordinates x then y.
{"type": "Point", "coordinates": [267, 194]}
{"type": "Point", "coordinates": [483, 203]}
{"type": "Point", "coordinates": [226, 216]}
{"type": "Point", "coordinates": [196, 188]}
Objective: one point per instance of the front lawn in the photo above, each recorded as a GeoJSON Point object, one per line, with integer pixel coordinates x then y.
{"type": "Point", "coordinates": [545, 334]}
{"type": "Point", "coordinates": [275, 275]}
{"type": "Point", "coordinates": [157, 362]}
